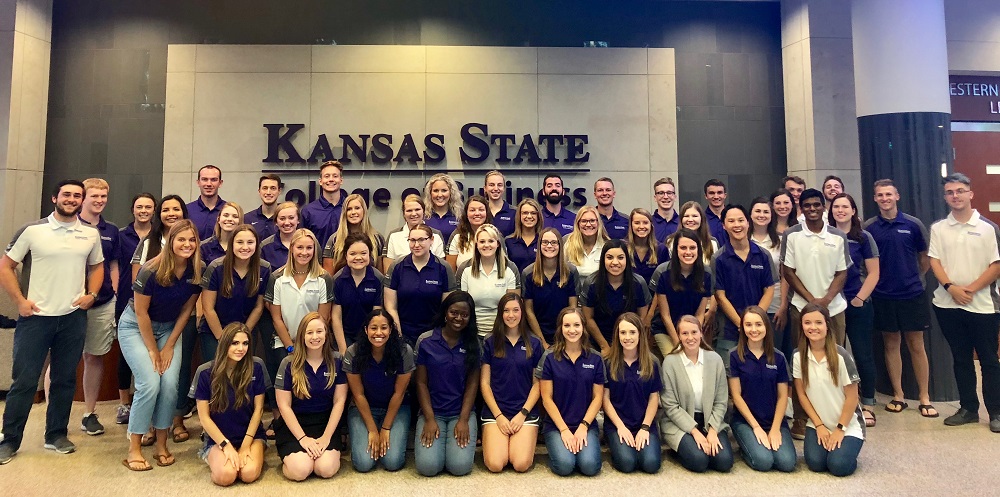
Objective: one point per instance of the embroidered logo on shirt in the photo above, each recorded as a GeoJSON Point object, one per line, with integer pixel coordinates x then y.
{"type": "Point", "coordinates": [828, 244]}
{"type": "Point", "coordinates": [974, 233]}
{"type": "Point", "coordinates": [371, 290]}
{"type": "Point", "coordinates": [905, 232]}
{"type": "Point", "coordinates": [461, 350]}
{"type": "Point", "coordinates": [588, 366]}
{"type": "Point", "coordinates": [432, 282]}
{"type": "Point", "coordinates": [756, 266]}
{"type": "Point", "coordinates": [523, 347]}
{"type": "Point", "coordinates": [326, 373]}
{"type": "Point", "coordinates": [771, 366]}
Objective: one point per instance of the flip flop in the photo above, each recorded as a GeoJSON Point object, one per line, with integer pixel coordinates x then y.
{"type": "Point", "coordinates": [924, 408]}
{"type": "Point", "coordinates": [160, 457]}
{"type": "Point", "coordinates": [179, 434]}
{"type": "Point", "coordinates": [148, 440]}
{"type": "Point", "coordinates": [128, 464]}
{"type": "Point", "coordinates": [899, 404]}
{"type": "Point", "coordinates": [869, 415]}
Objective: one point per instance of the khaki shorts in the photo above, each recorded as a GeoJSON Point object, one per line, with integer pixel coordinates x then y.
{"type": "Point", "coordinates": [100, 328]}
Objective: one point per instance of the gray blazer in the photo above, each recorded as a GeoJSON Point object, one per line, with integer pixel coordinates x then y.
{"type": "Point", "coordinates": [678, 402]}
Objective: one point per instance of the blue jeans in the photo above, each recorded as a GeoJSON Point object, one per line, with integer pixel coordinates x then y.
{"type": "Point", "coordinates": [445, 452]}
{"type": "Point", "coordinates": [723, 347]}
{"type": "Point", "coordinates": [187, 341]}
{"type": "Point", "coordinates": [761, 458]}
{"type": "Point", "coordinates": [155, 394]}
{"type": "Point", "coordinates": [563, 462]}
{"type": "Point", "coordinates": [209, 345]}
{"type": "Point", "coordinates": [34, 338]}
{"type": "Point", "coordinates": [839, 462]}
{"type": "Point", "coordinates": [695, 459]}
{"type": "Point", "coordinates": [395, 457]}
{"type": "Point", "coordinates": [860, 324]}
{"type": "Point", "coordinates": [627, 459]}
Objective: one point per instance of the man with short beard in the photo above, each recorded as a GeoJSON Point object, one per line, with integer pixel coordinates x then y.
{"type": "Point", "coordinates": [262, 218]}
{"type": "Point", "coordinates": [554, 214]}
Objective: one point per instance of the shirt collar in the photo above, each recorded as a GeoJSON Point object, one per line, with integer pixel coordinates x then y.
{"type": "Point", "coordinates": [100, 224]}
{"type": "Point", "coordinates": [687, 362]}
{"type": "Point", "coordinates": [973, 221]}
{"type": "Point", "coordinates": [218, 205]}
{"type": "Point", "coordinates": [813, 357]}
{"type": "Point", "coordinates": [673, 219]}
{"type": "Point", "coordinates": [822, 233]}
{"type": "Point", "coordinates": [56, 224]}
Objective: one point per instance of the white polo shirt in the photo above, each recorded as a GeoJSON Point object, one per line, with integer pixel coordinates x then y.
{"type": "Point", "coordinates": [461, 256]}
{"type": "Point", "coordinates": [396, 244]}
{"type": "Point", "coordinates": [487, 290]}
{"type": "Point", "coordinates": [55, 257]}
{"type": "Point", "coordinates": [696, 375]}
{"type": "Point", "coordinates": [296, 301]}
{"type": "Point", "coordinates": [591, 260]}
{"type": "Point", "coordinates": [141, 253]}
{"type": "Point", "coordinates": [966, 250]}
{"type": "Point", "coordinates": [828, 399]}
{"type": "Point", "coordinates": [815, 257]}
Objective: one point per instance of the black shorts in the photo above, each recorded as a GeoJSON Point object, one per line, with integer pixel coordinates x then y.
{"type": "Point", "coordinates": [313, 424]}
{"type": "Point", "coordinates": [902, 315]}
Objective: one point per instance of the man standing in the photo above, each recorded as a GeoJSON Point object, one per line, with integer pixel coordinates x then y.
{"type": "Point", "coordinates": [665, 218]}
{"type": "Point", "coordinates": [262, 218]}
{"type": "Point", "coordinates": [63, 270]}
{"type": "Point", "coordinates": [795, 185]}
{"type": "Point", "coordinates": [204, 211]}
{"type": "Point", "coordinates": [901, 306]}
{"type": "Point", "coordinates": [100, 316]}
{"type": "Point", "coordinates": [556, 216]}
{"type": "Point", "coordinates": [495, 188]}
{"type": "Point", "coordinates": [966, 262]}
{"type": "Point", "coordinates": [832, 186]}
{"type": "Point", "coordinates": [322, 216]}
{"type": "Point", "coordinates": [715, 193]}
{"type": "Point", "coordinates": [615, 223]}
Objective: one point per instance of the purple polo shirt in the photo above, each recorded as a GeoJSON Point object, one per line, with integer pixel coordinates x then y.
{"type": "Point", "coordinates": [562, 222]}
{"type": "Point", "coordinates": [446, 372]}
{"type": "Point", "coordinates": [110, 245]}
{"type": "Point", "coordinates": [503, 219]}
{"type": "Point", "coordinates": [548, 299]}
{"type": "Point", "coordinates": [321, 396]}
{"type": "Point", "coordinates": [662, 228]}
{"type": "Point", "coordinates": [446, 224]}
{"type": "Point", "coordinates": [511, 376]}
{"type": "Point", "coordinates": [865, 249]}
{"type": "Point", "coordinates": [321, 217]}
{"type": "Point", "coordinates": [743, 281]}
{"type": "Point", "coordinates": [572, 385]}
{"type": "Point", "coordinates": [378, 383]}
{"type": "Point", "coordinates": [614, 305]}
{"type": "Point", "coordinates": [273, 251]}
{"type": "Point", "coordinates": [616, 225]}
{"type": "Point", "coordinates": [237, 307]}
{"type": "Point", "coordinates": [234, 421]}
{"type": "Point", "coordinates": [759, 384]}
{"type": "Point", "coordinates": [203, 217]}
{"type": "Point", "coordinates": [128, 240]}
{"type": "Point", "coordinates": [357, 301]}
{"type": "Point", "coordinates": [520, 253]}
{"type": "Point", "coordinates": [211, 250]}
{"type": "Point", "coordinates": [165, 302]}
{"type": "Point", "coordinates": [265, 226]}
{"type": "Point", "coordinates": [629, 395]}
{"type": "Point", "coordinates": [899, 243]}
{"type": "Point", "coordinates": [418, 293]}
{"type": "Point", "coordinates": [715, 227]}
{"type": "Point", "coordinates": [686, 300]}
{"type": "Point", "coordinates": [643, 267]}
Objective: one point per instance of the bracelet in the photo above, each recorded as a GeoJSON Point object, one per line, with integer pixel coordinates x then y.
{"type": "Point", "coordinates": [248, 435]}
{"type": "Point", "coordinates": [525, 411]}
{"type": "Point", "coordinates": [290, 348]}
{"type": "Point", "coordinates": [564, 429]}
{"type": "Point", "coordinates": [300, 438]}
{"type": "Point", "coordinates": [497, 416]}
{"type": "Point", "coordinates": [584, 422]}
{"type": "Point", "coordinates": [644, 427]}
{"type": "Point", "coordinates": [386, 429]}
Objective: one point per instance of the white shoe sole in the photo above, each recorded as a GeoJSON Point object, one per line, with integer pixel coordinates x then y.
{"type": "Point", "coordinates": [61, 451]}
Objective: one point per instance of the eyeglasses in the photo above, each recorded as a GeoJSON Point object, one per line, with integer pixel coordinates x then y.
{"type": "Point", "coordinates": [664, 194]}
{"type": "Point", "coordinates": [955, 193]}
{"type": "Point", "coordinates": [418, 240]}
{"type": "Point", "coordinates": [529, 214]}
{"type": "Point", "coordinates": [549, 243]}
{"type": "Point", "coordinates": [588, 221]}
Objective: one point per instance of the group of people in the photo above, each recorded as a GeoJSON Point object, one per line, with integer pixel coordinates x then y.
{"type": "Point", "coordinates": [512, 321]}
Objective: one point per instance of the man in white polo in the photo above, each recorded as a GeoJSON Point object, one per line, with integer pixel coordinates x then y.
{"type": "Point", "coordinates": [965, 259]}
{"type": "Point", "coordinates": [63, 272]}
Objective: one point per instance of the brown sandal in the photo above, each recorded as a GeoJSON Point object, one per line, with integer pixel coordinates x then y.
{"type": "Point", "coordinates": [148, 439]}
{"type": "Point", "coordinates": [129, 462]}
{"type": "Point", "coordinates": [180, 434]}
{"type": "Point", "coordinates": [869, 415]}
{"type": "Point", "coordinates": [160, 460]}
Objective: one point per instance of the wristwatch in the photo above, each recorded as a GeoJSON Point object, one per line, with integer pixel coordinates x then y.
{"type": "Point", "coordinates": [946, 286]}
{"type": "Point", "coordinates": [224, 444]}
{"type": "Point", "coordinates": [93, 294]}
{"type": "Point", "coordinates": [525, 412]}
{"type": "Point", "coordinates": [841, 427]}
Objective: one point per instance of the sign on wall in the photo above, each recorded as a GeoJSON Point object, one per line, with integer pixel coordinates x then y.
{"type": "Point", "coordinates": [975, 98]}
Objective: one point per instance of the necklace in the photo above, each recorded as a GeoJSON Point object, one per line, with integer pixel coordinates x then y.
{"type": "Point", "coordinates": [299, 273]}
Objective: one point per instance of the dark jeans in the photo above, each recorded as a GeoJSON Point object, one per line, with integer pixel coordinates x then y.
{"type": "Point", "coordinates": [188, 339]}
{"type": "Point", "coordinates": [968, 332]}
{"type": "Point", "coordinates": [34, 338]}
{"type": "Point", "coordinates": [627, 459]}
{"type": "Point", "coordinates": [860, 326]}
{"type": "Point", "coordinates": [124, 374]}
{"type": "Point", "coordinates": [695, 459]}
{"type": "Point", "coordinates": [839, 462]}
{"type": "Point", "coordinates": [563, 462]}
{"type": "Point", "coordinates": [209, 345]}
{"type": "Point", "coordinates": [761, 458]}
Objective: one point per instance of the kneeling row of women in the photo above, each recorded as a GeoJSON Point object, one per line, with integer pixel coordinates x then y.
{"type": "Point", "coordinates": [513, 372]}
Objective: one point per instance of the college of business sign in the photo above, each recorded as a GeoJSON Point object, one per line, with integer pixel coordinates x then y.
{"type": "Point", "coordinates": [376, 153]}
{"type": "Point", "coordinates": [975, 98]}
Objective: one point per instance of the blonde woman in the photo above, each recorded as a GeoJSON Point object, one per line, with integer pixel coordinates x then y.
{"type": "Point", "coordinates": [444, 204]}
{"type": "Point", "coordinates": [583, 245]}
{"type": "Point", "coordinates": [488, 276]}
{"type": "Point", "coordinates": [354, 221]}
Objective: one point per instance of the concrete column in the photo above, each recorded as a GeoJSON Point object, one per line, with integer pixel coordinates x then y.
{"type": "Point", "coordinates": [25, 47]}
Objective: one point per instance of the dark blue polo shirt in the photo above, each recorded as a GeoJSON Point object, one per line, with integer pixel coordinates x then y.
{"type": "Point", "coordinates": [321, 217]}
{"type": "Point", "coordinates": [236, 308]}
{"type": "Point", "coordinates": [562, 222]}
{"type": "Point", "coordinates": [548, 299]}
{"type": "Point", "coordinates": [234, 421]}
{"type": "Point", "coordinates": [865, 249]}
{"type": "Point", "coordinates": [662, 228]}
{"type": "Point", "coordinates": [357, 301]}
{"type": "Point", "coordinates": [686, 301]}
{"type": "Point", "coordinates": [446, 224]}
{"type": "Point", "coordinates": [899, 242]}
{"type": "Point", "coordinates": [520, 253]}
{"type": "Point", "coordinates": [743, 281]}
{"type": "Point", "coordinates": [616, 225]}
{"type": "Point", "coordinates": [572, 385]}
{"type": "Point", "coordinates": [615, 298]}
{"type": "Point", "coordinates": [128, 240]}
{"type": "Point", "coordinates": [165, 302]}
{"type": "Point", "coordinates": [418, 293]}
{"type": "Point", "coordinates": [446, 373]}
{"type": "Point", "coordinates": [759, 384]}
{"type": "Point", "coordinates": [265, 226]}
{"type": "Point", "coordinates": [273, 251]}
{"type": "Point", "coordinates": [643, 267]}
{"type": "Point", "coordinates": [630, 395]}
{"type": "Point", "coordinates": [379, 385]}
{"type": "Point", "coordinates": [511, 376]}
{"type": "Point", "coordinates": [110, 247]}
{"type": "Point", "coordinates": [204, 218]}
{"type": "Point", "coordinates": [321, 397]}
{"type": "Point", "coordinates": [715, 227]}
{"type": "Point", "coordinates": [504, 219]}
{"type": "Point", "coordinates": [211, 250]}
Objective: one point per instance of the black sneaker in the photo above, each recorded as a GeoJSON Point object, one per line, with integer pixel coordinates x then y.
{"type": "Point", "coordinates": [6, 453]}
{"type": "Point", "coordinates": [61, 445]}
{"type": "Point", "coordinates": [995, 423]}
{"type": "Point", "coordinates": [962, 417]}
{"type": "Point", "coordinates": [91, 425]}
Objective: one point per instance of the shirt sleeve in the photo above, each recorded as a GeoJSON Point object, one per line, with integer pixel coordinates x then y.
{"type": "Point", "coordinates": [141, 284]}
{"type": "Point", "coordinates": [718, 273]}
{"type": "Point", "coordinates": [203, 390]}
{"type": "Point", "coordinates": [796, 367]}
{"type": "Point", "coordinates": [96, 255]}
{"type": "Point", "coordinates": [643, 291]}
{"type": "Point", "coordinates": [212, 279]}
{"type": "Point", "coordinates": [543, 371]}
{"type": "Point", "coordinates": [328, 288]}
{"type": "Point", "coordinates": [844, 261]}
{"type": "Point", "coordinates": [341, 378]}
{"type": "Point", "coordinates": [848, 370]}
{"type": "Point", "coordinates": [511, 281]}
{"type": "Point", "coordinates": [283, 378]}
{"type": "Point", "coordinates": [437, 246]}
{"type": "Point", "coordinates": [452, 285]}
{"type": "Point", "coordinates": [487, 354]}
{"type": "Point", "coordinates": [920, 236]}
{"type": "Point", "coordinates": [656, 382]}
{"type": "Point", "coordinates": [788, 251]}
{"type": "Point", "coordinates": [408, 360]}
{"type": "Point", "coordinates": [347, 363]}
{"type": "Point", "coordinates": [935, 245]}
{"type": "Point", "coordinates": [258, 385]}
{"type": "Point", "coordinates": [869, 249]}
{"type": "Point", "coordinates": [18, 246]}
{"type": "Point", "coordinates": [271, 295]}
{"type": "Point", "coordinates": [779, 360]}
{"type": "Point", "coordinates": [392, 278]}
{"type": "Point", "coordinates": [587, 296]}
{"type": "Point", "coordinates": [528, 288]}
{"type": "Point", "coordinates": [599, 378]}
